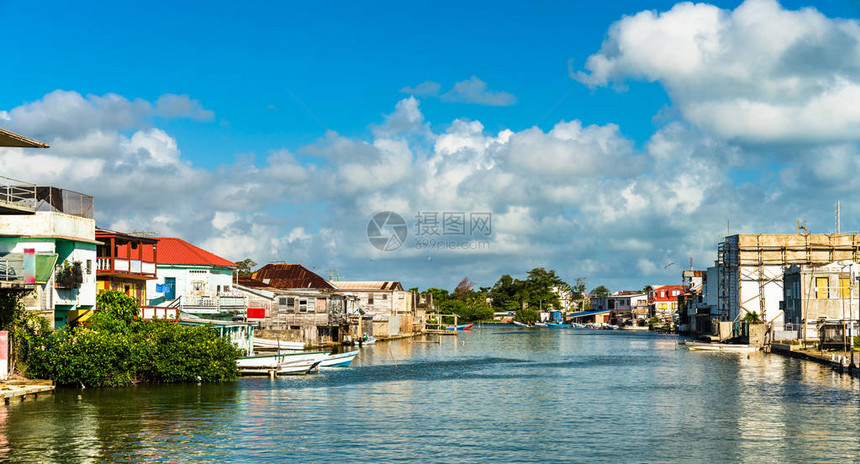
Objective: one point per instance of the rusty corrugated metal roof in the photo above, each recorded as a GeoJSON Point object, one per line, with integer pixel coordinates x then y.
{"type": "Point", "coordinates": [369, 285]}
{"type": "Point", "coordinates": [289, 276]}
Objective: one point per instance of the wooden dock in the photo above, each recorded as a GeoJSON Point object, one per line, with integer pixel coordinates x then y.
{"type": "Point", "coordinates": [22, 389]}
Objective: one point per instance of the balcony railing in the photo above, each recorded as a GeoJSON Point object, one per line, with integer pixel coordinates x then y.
{"type": "Point", "coordinates": [125, 266]}
{"type": "Point", "coordinates": [64, 201]}
{"type": "Point", "coordinates": [17, 197]}
{"type": "Point", "coordinates": [12, 270]}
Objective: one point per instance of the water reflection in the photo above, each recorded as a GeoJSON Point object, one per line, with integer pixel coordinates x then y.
{"type": "Point", "coordinates": [491, 395]}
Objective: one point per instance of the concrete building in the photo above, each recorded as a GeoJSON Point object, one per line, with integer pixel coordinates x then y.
{"type": "Point", "coordinates": [697, 305]}
{"type": "Point", "coordinates": [751, 269]}
{"type": "Point", "coordinates": [623, 305]}
{"type": "Point", "coordinates": [52, 253]}
{"type": "Point", "coordinates": [814, 295]}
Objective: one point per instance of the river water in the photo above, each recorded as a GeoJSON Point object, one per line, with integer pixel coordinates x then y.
{"type": "Point", "coordinates": [491, 395]}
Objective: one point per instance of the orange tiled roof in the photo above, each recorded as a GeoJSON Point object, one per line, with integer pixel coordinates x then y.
{"type": "Point", "coordinates": [177, 251]}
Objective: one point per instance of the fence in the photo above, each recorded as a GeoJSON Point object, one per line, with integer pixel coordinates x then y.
{"type": "Point", "coordinates": [64, 201]}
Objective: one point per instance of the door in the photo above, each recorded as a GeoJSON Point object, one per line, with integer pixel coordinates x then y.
{"type": "Point", "coordinates": [171, 292]}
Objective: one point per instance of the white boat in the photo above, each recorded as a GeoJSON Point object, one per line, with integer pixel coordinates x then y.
{"type": "Point", "coordinates": [267, 343]}
{"type": "Point", "coordinates": [540, 324]}
{"type": "Point", "coordinates": [520, 324]}
{"type": "Point", "coordinates": [635, 327]}
{"type": "Point", "coordinates": [698, 346]}
{"type": "Point", "coordinates": [282, 363]}
{"type": "Point", "coordinates": [369, 340]}
{"type": "Point", "coordinates": [340, 359]}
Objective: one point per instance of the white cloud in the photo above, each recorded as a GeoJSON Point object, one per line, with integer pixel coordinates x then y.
{"type": "Point", "coordinates": [475, 91]}
{"type": "Point", "coordinates": [424, 89]}
{"type": "Point", "coordinates": [759, 73]}
{"type": "Point", "coordinates": [581, 199]}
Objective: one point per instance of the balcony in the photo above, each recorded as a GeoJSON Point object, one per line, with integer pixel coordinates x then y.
{"type": "Point", "coordinates": [17, 197]}
{"type": "Point", "coordinates": [212, 305]}
{"type": "Point", "coordinates": [125, 255]}
{"type": "Point", "coordinates": [125, 267]}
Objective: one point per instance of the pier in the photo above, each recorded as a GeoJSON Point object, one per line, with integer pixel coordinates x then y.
{"type": "Point", "coordinates": [22, 389]}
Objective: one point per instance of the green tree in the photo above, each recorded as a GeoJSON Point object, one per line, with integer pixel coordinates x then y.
{"type": "Point", "coordinates": [600, 291]}
{"type": "Point", "coordinates": [116, 348]}
{"type": "Point", "coordinates": [751, 317]}
{"type": "Point", "coordinates": [526, 315]}
{"type": "Point", "coordinates": [578, 290]}
{"type": "Point", "coordinates": [245, 267]}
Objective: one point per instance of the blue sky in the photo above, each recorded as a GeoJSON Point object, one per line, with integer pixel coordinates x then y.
{"type": "Point", "coordinates": [302, 88]}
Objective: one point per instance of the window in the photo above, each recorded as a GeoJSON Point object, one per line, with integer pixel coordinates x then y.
{"type": "Point", "coordinates": [89, 266]}
{"type": "Point", "coordinates": [384, 296]}
{"type": "Point", "coordinates": [282, 301]}
{"type": "Point", "coordinates": [370, 299]}
{"type": "Point", "coordinates": [312, 304]}
{"type": "Point", "coordinates": [821, 288]}
{"type": "Point", "coordinates": [303, 305]}
{"type": "Point", "coordinates": [845, 287]}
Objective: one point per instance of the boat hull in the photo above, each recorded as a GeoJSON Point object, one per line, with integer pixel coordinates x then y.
{"type": "Point", "coordinates": [696, 346]}
{"type": "Point", "coordinates": [340, 359]}
{"type": "Point", "coordinates": [282, 363]}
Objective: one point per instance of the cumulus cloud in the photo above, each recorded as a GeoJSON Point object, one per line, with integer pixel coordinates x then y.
{"type": "Point", "coordinates": [757, 73]}
{"type": "Point", "coordinates": [582, 199]}
{"type": "Point", "coordinates": [475, 90]}
{"type": "Point", "coordinates": [424, 89]}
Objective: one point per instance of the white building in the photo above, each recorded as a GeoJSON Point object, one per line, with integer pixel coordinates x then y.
{"type": "Point", "coordinates": [194, 280]}
{"type": "Point", "coordinates": [49, 254]}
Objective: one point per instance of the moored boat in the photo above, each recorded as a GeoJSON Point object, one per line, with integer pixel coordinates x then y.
{"type": "Point", "coordinates": [699, 346]}
{"type": "Point", "coordinates": [282, 363]}
{"type": "Point", "coordinates": [340, 359]}
{"type": "Point", "coordinates": [460, 327]}
{"type": "Point", "coordinates": [557, 325]}
{"type": "Point", "coordinates": [520, 324]}
{"type": "Point", "coordinates": [278, 344]}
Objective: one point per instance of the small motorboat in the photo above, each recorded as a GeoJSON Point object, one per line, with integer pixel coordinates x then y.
{"type": "Point", "coordinates": [540, 324]}
{"type": "Point", "coordinates": [460, 327]}
{"type": "Point", "coordinates": [282, 363]}
{"type": "Point", "coordinates": [278, 344]}
{"type": "Point", "coordinates": [699, 346]}
{"type": "Point", "coordinates": [556, 325]}
{"type": "Point", "coordinates": [339, 360]}
{"type": "Point", "coordinates": [520, 324]}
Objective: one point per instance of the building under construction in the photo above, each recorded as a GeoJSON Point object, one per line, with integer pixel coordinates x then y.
{"type": "Point", "coordinates": [751, 268]}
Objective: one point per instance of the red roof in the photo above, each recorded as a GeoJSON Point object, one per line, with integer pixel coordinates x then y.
{"type": "Point", "coordinates": [177, 251]}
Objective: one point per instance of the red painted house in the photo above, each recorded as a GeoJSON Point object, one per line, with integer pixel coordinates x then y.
{"type": "Point", "coordinates": [663, 300]}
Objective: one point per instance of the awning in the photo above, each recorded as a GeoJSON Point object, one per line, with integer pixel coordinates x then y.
{"type": "Point", "coordinates": [11, 139]}
{"type": "Point", "coordinates": [44, 267]}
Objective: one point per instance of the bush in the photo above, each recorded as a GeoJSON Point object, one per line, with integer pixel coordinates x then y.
{"type": "Point", "coordinates": [118, 349]}
{"type": "Point", "coordinates": [526, 316]}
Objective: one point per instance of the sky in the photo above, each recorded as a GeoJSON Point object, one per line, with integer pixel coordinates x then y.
{"type": "Point", "coordinates": [614, 141]}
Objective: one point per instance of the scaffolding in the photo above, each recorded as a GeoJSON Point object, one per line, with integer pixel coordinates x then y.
{"type": "Point", "coordinates": [749, 264]}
